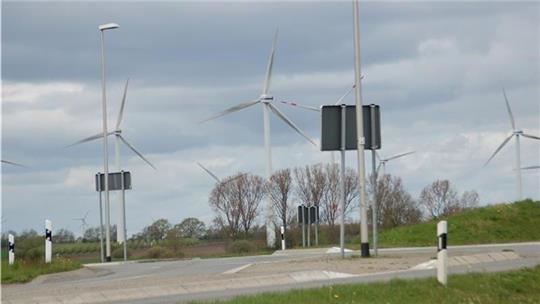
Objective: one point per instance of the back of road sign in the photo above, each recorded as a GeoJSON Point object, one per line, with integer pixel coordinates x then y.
{"type": "Point", "coordinates": [331, 127]}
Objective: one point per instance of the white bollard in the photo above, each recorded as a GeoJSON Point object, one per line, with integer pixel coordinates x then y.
{"type": "Point", "coordinates": [48, 241]}
{"type": "Point", "coordinates": [11, 248]}
{"type": "Point", "coordinates": [282, 238]}
{"type": "Point", "coordinates": [442, 254]}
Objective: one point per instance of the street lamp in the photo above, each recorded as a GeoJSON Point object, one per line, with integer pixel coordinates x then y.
{"type": "Point", "coordinates": [102, 29]}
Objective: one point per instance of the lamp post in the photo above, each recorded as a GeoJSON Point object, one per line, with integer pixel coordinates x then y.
{"type": "Point", "coordinates": [364, 243]}
{"type": "Point", "coordinates": [102, 29]}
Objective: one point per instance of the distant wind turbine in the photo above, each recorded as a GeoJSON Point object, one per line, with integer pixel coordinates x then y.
{"type": "Point", "coordinates": [530, 167]}
{"type": "Point", "coordinates": [84, 224]}
{"type": "Point", "coordinates": [265, 99]}
{"type": "Point", "coordinates": [217, 179]}
{"type": "Point", "coordinates": [383, 160]}
{"type": "Point", "coordinates": [515, 133]}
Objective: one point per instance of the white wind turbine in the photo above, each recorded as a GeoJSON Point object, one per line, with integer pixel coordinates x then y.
{"type": "Point", "coordinates": [84, 224]}
{"type": "Point", "coordinates": [118, 139]}
{"type": "Point", "coordinates": [265, 99]}
{"type": "Point", "coordinates": [217, 179]}
{"type": "Point", "coordinates": [517, 133]}
{"type": "Point", "coordinates": [384, 160]}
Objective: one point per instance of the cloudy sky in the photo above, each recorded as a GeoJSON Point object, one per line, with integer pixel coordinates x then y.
{"type": "Point", "coordinates": [435, 68]}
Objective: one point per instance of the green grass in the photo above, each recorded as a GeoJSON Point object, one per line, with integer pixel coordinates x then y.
{"type": "Point", "coordinates": [24, 271]}
{"type": "Point", "coordinates": [516, 222]}
{"type": "Point", "coordinates": [519, 286]}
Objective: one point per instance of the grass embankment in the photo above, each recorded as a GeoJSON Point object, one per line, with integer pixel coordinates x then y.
{"type": "Point", "coordinates": [24, 271]}
{"type": "Point", "coordinates": [506, 287]}
{"type": "Point", "coordinates": [516, 222]}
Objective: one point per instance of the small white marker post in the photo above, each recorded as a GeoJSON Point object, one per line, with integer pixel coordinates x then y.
{"type": "Point", "coordinates": [11, 248]}
{"type": "Point", "coordinates": [282, 238]}
{"type": "Point", "coordinates": [442, 254]}
{"type": "Point", "coordinates": [48, 241]}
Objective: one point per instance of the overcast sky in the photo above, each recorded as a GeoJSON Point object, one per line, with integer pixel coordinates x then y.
{"type": "Point", "coordinates": [436, 69]}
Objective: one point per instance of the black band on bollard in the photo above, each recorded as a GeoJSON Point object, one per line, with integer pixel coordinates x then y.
{"type": "Point", "coordinates": [282, 237]}
{"type": "Point", "coordinates": [443, 242]}
{"type": "Point", "coordinates": [11, 247]}
{"type": "Point", "coordinates": [364, 249]}
{"type": "Point", "coordinates": [48, 235]}
{"type": "Point", "coordinates": [108, 259]}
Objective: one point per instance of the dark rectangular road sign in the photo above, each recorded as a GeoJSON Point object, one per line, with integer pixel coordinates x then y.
{"type": "Point", "coordinates": [115, 181]}
{"type": "Point", "coordinates": [331, 127]}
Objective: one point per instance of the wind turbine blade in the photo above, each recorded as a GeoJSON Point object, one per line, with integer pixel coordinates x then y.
{"type": "Point", "coordinates": [231, 110]}
{"type": "Point", "coordinates": [530, 136]}
{"type": "Point", "coordinates": [379, 167]}
{"type": "Point", "coordinates": [93, 137]}
{"type": "Point", "coordinates": [86, 214]}
{"type": "Point", "coordinates": [530, 167]}
{"type": "Point", "coordinates": [400, 155]}
{"type": "Point", "coordinates": [499, 148]}
{"type": "Point", "coordinates": [12, 163]}
{"type": "Point", "coordinates": [339, 101]}
{"type": "Point", "coordinates": [509, 110]}
{"type": "Point", "coordinates": [294, 104]}
{"type": "Point", "coordinates": [290, 123]}
{"type": "Point", "coordinates": [234, 178]}
{"type": "Point", "coordinates": [268, 79]}
{"type": "Point", "coordinates": [121, 112]}
{"type": "Point", "coordinates": [378, 156]}
{"type": "Point", "coordinates": [209, 172]}
{"type": "Point", "coordinates": [136, 152]}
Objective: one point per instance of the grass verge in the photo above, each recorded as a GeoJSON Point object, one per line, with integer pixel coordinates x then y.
{"type": "Point", "coordinates": [502, 223]}
{"type": "Point", "coordinates": [24, 271]}
{"type": "Point", "coordinates": [519, 286]}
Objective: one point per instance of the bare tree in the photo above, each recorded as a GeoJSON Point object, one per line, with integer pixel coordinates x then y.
{"type": "Point", "coordinates": [396, 206]}
{"type": "Point", "coordinates": [279, 190]}
{"type": "Point", "coordinates": [225, 201]}
{"type": "Point", "coordinates": [251, 189]}
{"type": "Point", "coordinates": [311, 185]}
{"type": "Point", "coordinates": [469, 199]}
{"type": "Point", "coordinates": [440, 199]}
{"type": "Point", "coordinates": [332, 193]}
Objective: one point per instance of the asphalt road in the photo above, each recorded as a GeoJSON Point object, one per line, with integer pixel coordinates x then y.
{"type": "Point", "coordinates": [173, 281]}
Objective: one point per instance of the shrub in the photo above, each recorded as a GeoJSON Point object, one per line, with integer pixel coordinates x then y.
{"type": "Point", "coordinates": [158, 252]}
{"type": "Point", "coordinates": [34, 254]}
{"type": "Point", "coordinates": [118, 253]}
{"type": "Point", "coordinates": [241, 246]}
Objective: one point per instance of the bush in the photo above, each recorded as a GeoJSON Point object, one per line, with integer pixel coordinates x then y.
{"type": "Point", "coordinates": [118, 253]}
{"type": "Point", "coordinates": [241, 246]}
{"type": "Point", "coordinates": [34, 254]}
{"type": "Point", "coordinates": [158, 252]}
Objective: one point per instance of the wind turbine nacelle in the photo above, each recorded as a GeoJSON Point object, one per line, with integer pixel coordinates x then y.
{"type": "Point", "coordinates": [267, 98]}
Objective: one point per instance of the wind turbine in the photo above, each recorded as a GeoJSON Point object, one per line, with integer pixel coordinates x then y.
{"type": "Point", "coordinates": [217, 179]}
{"type": "Point", "coordinates": [383, 160]}
{"type": "Point", "coordinates": [84, 224]}
{"type": "Point", "coordinates": [530, 167]}
{"type": "Point", "coordinates": [118, 139]}
{"type": "Point", "coordinates": [265, 99]}
{"type": "Point", "coordinates": [515, 133]}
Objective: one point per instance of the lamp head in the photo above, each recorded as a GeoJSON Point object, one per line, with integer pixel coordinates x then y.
{"type": "Point", "coordinates": [108, 26]}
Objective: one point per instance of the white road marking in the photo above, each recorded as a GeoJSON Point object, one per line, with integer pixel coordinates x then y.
{"type": "Point", "coordinates": [237, 269]}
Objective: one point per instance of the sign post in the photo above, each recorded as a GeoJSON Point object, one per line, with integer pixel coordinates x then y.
{"type": "Point", "coordinates": [98, 184]}
{"type": "Point", "coordinates": [338, 133]}
{"type": "Point", "coordinates": [48, 241]}
{"type": "Point", "coordinates": [11, 248]}
{"type": "Point", "coordinates": [117, 181]}
{"type": "Point", "coordinates": [301, 221]}
{"type": "Point", "coordinates": [442, 254]}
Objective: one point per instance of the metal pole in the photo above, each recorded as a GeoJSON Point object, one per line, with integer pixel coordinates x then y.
{"type": "Point", "coordinates": [124, 215]}
{"type": "Point", "coordinates": [309, 227]}
{"type": "Point", "coordinates": [105, 154]}
{"type": "Point", "coordinates": [342, 184]}
{"type": "Point", "coordinates": [316, 226]}
{"type": "Point", "coordinates": [374, 214]}
{"type": "Point", "coordinates": [364, 242]}
{"type": "Point", "coordinates": [100, 219]}
{"type": "Point", "coordinates": [116, 197]}
{"type": "Point", "coordinates": [303, 227]}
